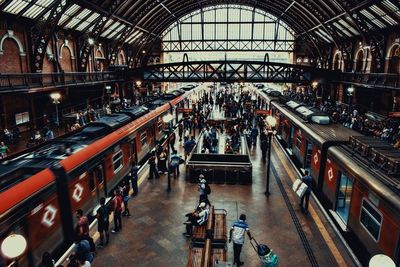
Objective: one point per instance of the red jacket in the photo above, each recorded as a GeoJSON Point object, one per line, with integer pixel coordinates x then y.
{"type": "Point", "coordinates": [118, 203]}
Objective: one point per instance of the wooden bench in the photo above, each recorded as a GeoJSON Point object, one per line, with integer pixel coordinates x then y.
{"type": "Point", "coordinates": [196, 257]}
{"type": "Point", "coordinates": [218, 255]}
{"type": "Point", "coordinates": [209, 241]}
{"type": "Point", "coordinates": [219, 237]}
{"type": "Point", "coordinates": [201, 233]}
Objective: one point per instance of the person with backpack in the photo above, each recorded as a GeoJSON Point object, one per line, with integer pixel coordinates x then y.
{"type": "Point", "coordinates": [174, 164]}
{"type": "Point", "coordinates": [117, 211]}
{"type": "Point", "coordinates": [103, 223]}
{"type": "Point", "coordinates": [204, 190]}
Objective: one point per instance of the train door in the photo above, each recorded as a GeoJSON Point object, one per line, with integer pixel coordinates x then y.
{"type": "Point", "coordinates": [343, 197]}
{"type": "Point", "coordinates": [291, 137]}
{"type": "Point", "coordinates": [97, 182]}
{"type": "Point", "coordinates": [308, 155]}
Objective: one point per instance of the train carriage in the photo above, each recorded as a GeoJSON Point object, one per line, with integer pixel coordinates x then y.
{"type": "Point", "coordinates": [41, 189]}
{"type": "Point", "coordinates": [356, 178]}
{"type": "Point", "coordinates": [365, 203]}
{"type": "Point", "coordinates": [306, 141]}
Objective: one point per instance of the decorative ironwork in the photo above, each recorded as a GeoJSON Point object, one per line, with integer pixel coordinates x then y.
{"type": "Point", "coordinates": [42, 32]}
{"type": "Point", "coordinates": [98, 28]}
{"type": "Point", "coordinates": [229, 71]}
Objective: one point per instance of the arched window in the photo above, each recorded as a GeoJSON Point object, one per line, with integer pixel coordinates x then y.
{"type": "Point", "coordinates": [228, 28]}
{"type": "Point", "coordinates": [359, 61]}
{"type": "Point", "coordinates": [394, 60]}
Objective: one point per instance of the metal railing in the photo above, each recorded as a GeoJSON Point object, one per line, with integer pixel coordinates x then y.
{"type": "Point", "coordinates": [387, 80]}
{"type": "Point", "coordinates": [24, 81]}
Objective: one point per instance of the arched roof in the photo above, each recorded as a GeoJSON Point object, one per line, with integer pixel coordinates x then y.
{"type": "Point", "coordinates": [328, 21]}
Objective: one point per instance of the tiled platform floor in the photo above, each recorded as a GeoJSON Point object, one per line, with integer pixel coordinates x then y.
{"type": "Point", "coordinates": [152, 236]}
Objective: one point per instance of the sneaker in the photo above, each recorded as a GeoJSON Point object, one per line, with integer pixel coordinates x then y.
{"type": "Point", "coordinates": [114, 231]}
{"type": "Point", "coordinates": [99, 245]}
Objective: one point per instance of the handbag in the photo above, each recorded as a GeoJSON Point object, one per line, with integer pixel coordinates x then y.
{"type": "Point", "coordinates": [296, 184]}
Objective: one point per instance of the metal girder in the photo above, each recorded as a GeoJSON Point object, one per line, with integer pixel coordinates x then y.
{"type": "Point", "coordinates": [86, 47]}
{"type": "Point", "coordinates": [42, 32]}
{"type": "Point", "coordinates": [230, 71]}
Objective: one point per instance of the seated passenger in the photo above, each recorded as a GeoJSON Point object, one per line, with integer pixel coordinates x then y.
{"type": "Point", "coordinates": [196, 218]}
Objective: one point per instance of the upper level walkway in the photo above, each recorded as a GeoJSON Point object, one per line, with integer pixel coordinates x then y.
{"type": "Point", "coordinates": [229, 71]}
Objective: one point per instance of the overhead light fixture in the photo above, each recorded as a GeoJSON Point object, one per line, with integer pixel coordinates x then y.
{"type": "Point", "coordinates": [350, 90]}
{"type": "Point", "coordinates": [55, 96]}
{"type": "Point", "coordinates": [144, 51]}
{"type": "Point", "coordinates": [90, 41]}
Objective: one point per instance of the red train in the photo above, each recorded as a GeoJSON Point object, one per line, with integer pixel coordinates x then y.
{"type": "Point", "coordinates": [41, 189]}
{"type": "Point", "coordinates": [356, 178]}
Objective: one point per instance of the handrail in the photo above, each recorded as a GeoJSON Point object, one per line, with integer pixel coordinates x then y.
{"type": "Point", "coordinates": [371, 79]}
{"type": "Point", "coordinates": [20, 81]}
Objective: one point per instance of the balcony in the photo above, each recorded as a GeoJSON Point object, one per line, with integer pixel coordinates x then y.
{"type": "Point", "coordinates": [29, 82]}
{"type": "Point", "coordinates": [371, 80]}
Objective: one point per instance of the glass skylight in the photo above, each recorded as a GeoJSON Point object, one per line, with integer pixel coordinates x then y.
{"type": "Point", "coordinates": [372, 18]}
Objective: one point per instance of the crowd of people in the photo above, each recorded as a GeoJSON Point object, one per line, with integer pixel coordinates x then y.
{"type": "Point", "coordinates": [387, 129]}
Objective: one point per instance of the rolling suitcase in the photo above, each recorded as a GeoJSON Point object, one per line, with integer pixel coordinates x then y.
{"type": "Point", "coordinates": [267, 256]}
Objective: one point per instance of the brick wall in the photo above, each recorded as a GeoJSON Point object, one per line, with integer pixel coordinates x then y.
{"type": "Point", "coordinates": [66, 61]}
{"type": "Point", "coordinates": [11, 59]}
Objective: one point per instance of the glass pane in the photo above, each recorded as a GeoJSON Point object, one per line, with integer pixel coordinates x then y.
{"type": "Point", "coordinates": [344, 197]}
{"type": "Point", "coordinates": [370, 224]}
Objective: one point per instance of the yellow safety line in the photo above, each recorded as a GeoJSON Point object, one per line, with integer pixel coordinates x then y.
{"type": "Point", "coordinates": [331, 244]}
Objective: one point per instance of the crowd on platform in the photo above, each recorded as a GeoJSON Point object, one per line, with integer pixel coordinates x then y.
{"type": "Point", "coordinates": [351, 117]}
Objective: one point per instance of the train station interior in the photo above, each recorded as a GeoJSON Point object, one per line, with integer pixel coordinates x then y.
{"type": "Point", "coordinates": [199, 133]}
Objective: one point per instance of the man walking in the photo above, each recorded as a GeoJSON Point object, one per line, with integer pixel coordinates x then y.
{"type": "Point", "coordinates": [237, 232]}
{"type": "Point", "coordinates": [307, 179]}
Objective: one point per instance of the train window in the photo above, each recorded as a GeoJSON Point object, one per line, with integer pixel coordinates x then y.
{"type": "Point", "coordinates": [343, 197]}
{"type": "Point", "coordinates": [143, 137]}
{"type": "Point", "coordinates": [92, 184]}
{"type": "Point", "coordinates": [117, 160]}
{"type": "Point", "coordinates": [371, 219]}
{"type": "Point", "coordinates": [308, 156]}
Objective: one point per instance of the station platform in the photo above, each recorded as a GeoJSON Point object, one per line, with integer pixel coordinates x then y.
{"type": "Point", "coordinates": [152, 236]}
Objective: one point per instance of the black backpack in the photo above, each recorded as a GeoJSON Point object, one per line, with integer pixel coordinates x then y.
{"type": "Point", "coordinates": [207, 189]}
